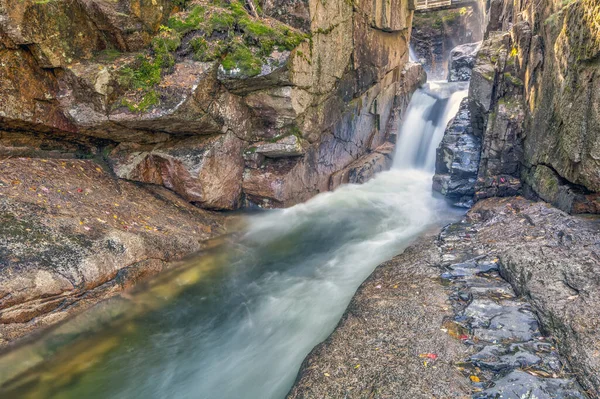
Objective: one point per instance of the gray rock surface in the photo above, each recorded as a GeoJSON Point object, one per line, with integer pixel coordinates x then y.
{"type": "Point", "coordinates": [457, 159]}
{"type": "Point", "coordinates": [461, 62]}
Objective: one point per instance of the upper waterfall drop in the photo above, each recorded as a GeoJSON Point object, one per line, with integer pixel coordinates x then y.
{"type": "Point", "coordinates": [429, 111]}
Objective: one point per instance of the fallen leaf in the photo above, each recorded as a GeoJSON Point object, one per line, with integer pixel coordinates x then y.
{"type": "Point", "coordinates": [432, 356]}
{"type": "Point", "coordinates": [474, 378]}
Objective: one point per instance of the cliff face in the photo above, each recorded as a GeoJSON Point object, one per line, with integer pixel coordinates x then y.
{"type": "Point", "coordinates": [534, 101]}
{"type": "Point", "coordinates": [104, 105]}
{"type": "Point", "coordinates": [218, 105]}
{"type": "Point", "coordinates": [436, 33]}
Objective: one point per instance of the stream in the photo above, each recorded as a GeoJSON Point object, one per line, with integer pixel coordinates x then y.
{"type": "Point", "coordinates": [238, 322]}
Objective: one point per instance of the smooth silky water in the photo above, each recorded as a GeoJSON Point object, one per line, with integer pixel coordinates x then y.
{"type": "Point", "coordinates": [237, 321]}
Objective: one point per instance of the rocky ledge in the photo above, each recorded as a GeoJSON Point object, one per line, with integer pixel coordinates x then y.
{"type": "Point", "coordinates": [466, 314]}
{"type": "Point", "coordinates": [71, 234]}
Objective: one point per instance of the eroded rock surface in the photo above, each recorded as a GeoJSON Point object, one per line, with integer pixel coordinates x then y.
{"type": "Point", "coordinates": [71, 234]}
{"type": "Point", "coordinates": [457, 159]}
{"type": "Point", "coordinates": [461, 62]}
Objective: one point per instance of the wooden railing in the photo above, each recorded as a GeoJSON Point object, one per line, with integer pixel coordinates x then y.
{"type": "Point", "coordinates": [424, 5]}
{"type": "Point", "coordinates": [428, 4]}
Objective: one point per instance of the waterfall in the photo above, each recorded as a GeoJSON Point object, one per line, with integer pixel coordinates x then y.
{"type": "Point", "coordinates": [412, 55]}
{"type": "Point", "coordinates": [281, 288]}
{"type": "Point", "coordinates": [428, 113]}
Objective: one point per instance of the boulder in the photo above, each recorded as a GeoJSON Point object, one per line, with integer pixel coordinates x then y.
{"type": "Point", "coordinates": [457, 159]}
{"type": "Point", "coordinates": [365, 167]}
{"type": "Point", "coordinates": [462, 61]}
{"type": "Point", "coordinates": [550, 187]}
{"type": "Point", "coordinates": [206, 170]}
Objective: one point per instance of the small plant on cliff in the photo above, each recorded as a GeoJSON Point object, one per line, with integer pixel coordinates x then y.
{"type": "Point", "coordinates": [149, 99]}
{"type": "Point", "coordinates": [241, 58]}
{"type": "Point", "coordinates": [216, 31]}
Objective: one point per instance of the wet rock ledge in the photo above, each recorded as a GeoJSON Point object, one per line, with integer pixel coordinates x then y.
{"type": "Point", "coordinates": [504, 303]}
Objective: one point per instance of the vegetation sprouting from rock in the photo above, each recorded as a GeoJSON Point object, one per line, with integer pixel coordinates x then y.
{"type": "Point", "coordinates": [213, 32]}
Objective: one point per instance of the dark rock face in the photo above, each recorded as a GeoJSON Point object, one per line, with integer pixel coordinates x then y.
{"type": "Point", "coordinates": [457, 159]}
{"type": "Point", "coordinates": [461, 62]}
{"type": "Point", "coordinates": [497, 116]}
{"type": "Point", "coordinates": [436, 33]}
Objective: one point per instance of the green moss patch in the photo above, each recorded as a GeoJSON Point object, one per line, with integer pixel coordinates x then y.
{"type": "Point", "coordinates": [222, 32]}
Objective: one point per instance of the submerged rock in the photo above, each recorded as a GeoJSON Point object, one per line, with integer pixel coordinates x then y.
{"type": "Point", "coordinates": [519, 384]}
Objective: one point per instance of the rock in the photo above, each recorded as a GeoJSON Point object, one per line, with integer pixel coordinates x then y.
{"type": "Point", "coordinates": [288, 181]}
{"type": "Point", "coordinates": [365, 167]}
{"type": "Point", "coordinates": [550, 258]}
{"type": "Point", "coordinates": [292, 12]}
{"type": "Point", "coordinates": [536, 127]}
{"type": "Point", "coordinates": [550, 187]}
{"type": "Point", "coordinates": [274, 72]}
{"type": "Point", "coordinates": [435, 34]}
{"type": "Point", "coordinates": [72, 235]}
{"type": "Point", "coordinates": [203, 170]}
{"type": "Point", "coordinates": [457, 159]}
{"type": "Point", "coordinates": [519, 384]}
{"type": "Point", "coordinates": [59, 32]}
{"type": "Point", "coordinates": [290, 146]}
{"type": "Point", "coordinates": [462, 61]}
{"type": "Point", "coordinates": [280, 106]}
{"type": "Point", "coordinates": [497, 116]}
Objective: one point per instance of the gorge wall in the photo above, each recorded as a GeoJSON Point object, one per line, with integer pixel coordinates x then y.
{"type": "Point", "coordinates": [215, 104]}
{"type": "Point", "coordinates": [436, 33]}
{"type": "Point", "coordinates": [534, 104]}
{"type": "Point", "coordinates": [117, 116]}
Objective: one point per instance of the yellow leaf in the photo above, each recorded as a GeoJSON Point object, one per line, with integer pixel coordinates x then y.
{"type": "Point", "coordinates": [326, 374]}
{"type": "Point", "coordinates": [357, 366]}
{"type": "Point", "coordinates": [474, 378]}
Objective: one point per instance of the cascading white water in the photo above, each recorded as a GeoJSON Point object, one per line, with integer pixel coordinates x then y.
{"type": "Point", "coordinates": [283, 290]}
{"type": "Point", "coordinates": [430, 110]}
{"type": "Point", "coordinates": [412, 55]}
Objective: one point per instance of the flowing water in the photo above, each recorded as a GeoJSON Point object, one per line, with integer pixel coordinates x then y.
{"type": "Point", "coordinates": [237, 321]}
